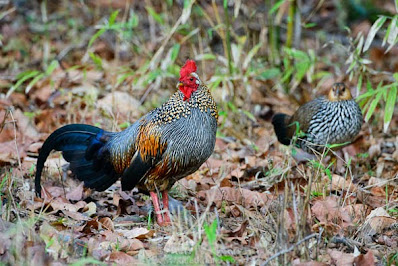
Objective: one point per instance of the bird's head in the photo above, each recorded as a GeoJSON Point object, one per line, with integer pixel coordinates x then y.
{"type": "Point", "coordinates": [189, 81]}
{"type": "Point", "coordinates": [339, 92]}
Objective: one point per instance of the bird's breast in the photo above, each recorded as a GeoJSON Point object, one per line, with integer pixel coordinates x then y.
{"type": "Point", "coordinates": [335, 122]}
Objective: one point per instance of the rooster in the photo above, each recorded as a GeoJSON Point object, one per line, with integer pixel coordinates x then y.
{"type": "Point", "coordinates": [165, 145]}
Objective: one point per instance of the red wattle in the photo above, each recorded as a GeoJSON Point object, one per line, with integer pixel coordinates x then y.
{"type": "Point", "coordinates": [187, 91]}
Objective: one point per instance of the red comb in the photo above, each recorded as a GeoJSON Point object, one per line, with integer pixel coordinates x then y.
{"type": "Point", "coordinates": [188, 68]}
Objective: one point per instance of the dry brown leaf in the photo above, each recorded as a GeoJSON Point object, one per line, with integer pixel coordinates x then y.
{"type": "Point", "coordinates": [124, 102]}
{"type": "Point", "coordinates": [77, 216]}
{"type": "Point", "coordinates": [135, 244]}
{"type": "Point", "coordinates": [357, 212]}
{"type": "Point", "coordinates": [90, 209]}
{"type": "Point", "coordinates": [340, 258]}
{"type": "Point", "coordinates": [60, 204]}
{"type": "Point", "coordinates": [340, 183]}
{"type": "Point", "coordinates": [43, 93]}
{"type": "Point", "coordinates": [53, 165]}
{"type": "Point", "coordinates": [328, 211]}
{"type": "Point", "coordinates": [116, 199]}
{"type": "Point", "coordinates": [8, 154]}
{"type": "Point", "coordinates": [121, 258]}
{"type": "Point", "coordinates": [244, 197]}
{"type": "Point", "coordinates": [220, 146]}
{"type": "Point", "coordinates": [26, 127]}
{"type": "Point", "coordinates": [374, 150]}
{"type": "Point", "coordinates": [378, 192]}
{"type": "Point", "coordinates": [365, 260]}
{"type": "Point", "coordinates": [297, 262]}
{"type": "Point", "coordinates": [290, 222]}
{"type": "Point", "coordinates": [55, 191]}
{"type": "Point", "coordinates": [213, 163]}
{"type": "Point", "coordinates": [226, 183]}
{"type": "Point", "coordinates": [107, 223]}
{"type": "Point", "coordinates": [76, 194]}
{"type": "Point", "coordinates": [179, 244]}
{"type": "Point", "coordinates": [137, 232]}
{"type": "Point", "coordinates": [91, 226]}
{"type": "Point", "coordinates": [368, 199]}
{"type": "Point", "coordinates": [378, 224]}
{"type": "Point", "coordinates": [237, 232]}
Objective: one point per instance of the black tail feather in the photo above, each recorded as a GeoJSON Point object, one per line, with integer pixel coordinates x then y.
{"type": "Point", "coordinates": [280, 128]}
{"type": "Point", "coordinates": [82, 146]}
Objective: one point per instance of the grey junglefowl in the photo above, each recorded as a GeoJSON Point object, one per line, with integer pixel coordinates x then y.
{"type": "Point", "coordinates": [165, 145]}
{"type": "Point", "coordinates": [332, 119]}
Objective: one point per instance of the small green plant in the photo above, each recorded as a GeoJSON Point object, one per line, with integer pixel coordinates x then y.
{"type": "Point", "coordinates": [211, 234]}
{"type": "Point", "coordinates": [393, 211]}
{"type": "Point", "coordinates": [392, 259]}
{"type": "Point", "coordinates": [304, 63]}
{"type": "Point", "coordinates": [369, 100]}
{"type": "Point", "coordinates": [87, 261]}
{"type": "Point", "coordinates": [34, 76]}
{"type": "Point", "coordinates": [326, 170]}
{"type": "Point", "coordinates": [359, 66]}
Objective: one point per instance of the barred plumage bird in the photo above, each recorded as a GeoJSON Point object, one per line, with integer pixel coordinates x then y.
{"type": "Point", "coordinates": [165, 145]}
{"type": "Point", "coordinates": [334, 119]}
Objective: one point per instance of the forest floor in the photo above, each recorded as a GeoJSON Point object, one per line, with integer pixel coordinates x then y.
{"type": "Point", "coordinates": [251, 202]}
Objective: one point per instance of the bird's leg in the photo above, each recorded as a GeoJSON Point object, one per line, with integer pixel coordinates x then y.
{"type": "Point", "coordinates": [156, 206]}
{"type": "Point", "coordinates": [165, 197]}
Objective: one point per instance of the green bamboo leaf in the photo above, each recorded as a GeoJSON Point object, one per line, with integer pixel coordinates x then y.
{"type": "Point", "coordinates": [392, 38]}
{"type": "Point", "coordinates": [33, 82]}
{"type": "Point", "coordinates": [269, 74]}
{"type": "Point", "coordinates": [110, 23]}
{"type": "Point", "coordinates": [351, 67]}
{"type": "Point", "coordinates": [50, 69]}
{"type": "Point", "coordinates": [372, 106]}
{"type": "Point", "coordinates": [276, 7]}
{"type": "Point", "coordinates": [211, 232]}
{"type": "Point", "coordinates": [359, 86]}
{"type": "Point", "coordinates": [112, 17]}
{"type": "Point", "coordinates": [227, 258]}
{"type": "Point", "coordinates": [154, 15]}
{"type": "Point", "coordinates": [174, 52]}
{"type": "Point", "coordinates": [208, 56]}
{"type": "Point", "coordinates": [390, 104]}
{"type": "Point", "coordinates": [250, 55]}
{"type": "Point", "coordinates": [366, 95]}
{"type": "Point", "coordinates": [122, 78]}
{"type": "Point", "coordinates": [21, 78]}
{"type": "Point", "coordinates": [96, 36]}
{"type": "Point", "coordinates": [186, 11]}
{"type": "Point", "coordinates": [368, 85]}
{"type": "Point", "coordinates": [337, 145]}
{"type": "Point", "coordinates": [96, 59]}
{"type": "Point", "coordinates": [395, 75]}
{"type": "Point", "coordinates": [373, 30]}
{"type": "Point", "coordinates": [387, 34]}
{"type": "Point", "coordinates": [249, 115]}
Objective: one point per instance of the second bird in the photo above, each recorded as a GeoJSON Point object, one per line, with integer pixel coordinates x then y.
{"type": "Point", "coordinates": [332, 119]}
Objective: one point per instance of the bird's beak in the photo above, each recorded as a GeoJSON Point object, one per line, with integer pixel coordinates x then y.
{"type": "Point", "coordinates": [179, 84]}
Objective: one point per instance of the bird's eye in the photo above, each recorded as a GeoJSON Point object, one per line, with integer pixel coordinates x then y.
{"type": "Point", "coordinates": [191, 79]}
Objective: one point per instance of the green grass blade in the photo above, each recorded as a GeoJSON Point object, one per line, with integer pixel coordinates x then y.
{"type": "Point", "coordinates": [390, 104]}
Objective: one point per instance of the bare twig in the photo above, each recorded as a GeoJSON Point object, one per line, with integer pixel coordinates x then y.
{"type": "Point", "coordinates": [292, 247]}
